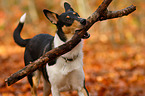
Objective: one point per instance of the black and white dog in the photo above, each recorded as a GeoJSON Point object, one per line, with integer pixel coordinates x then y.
{"type": "Point", "coordinates": [66, 72]}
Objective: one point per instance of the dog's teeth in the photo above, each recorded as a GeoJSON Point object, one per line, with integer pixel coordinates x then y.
{"type": "Point", "coordinates": [22, 19]}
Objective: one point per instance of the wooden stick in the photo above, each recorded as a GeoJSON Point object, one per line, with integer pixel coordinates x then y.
{"type": "Point", "coordinates": [54, 53]}
{"type": "Point", "coordinates": [119, 13]}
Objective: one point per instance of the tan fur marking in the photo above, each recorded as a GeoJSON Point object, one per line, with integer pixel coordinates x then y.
{"type": "Point", "coordinates": [74, 13]}
{"type": "Point", "coordinates": [46, 88]}
{"type": "Point", "coordinates": [35, 79]}
{"type": "Point", "coordinates": [69, 31]}
{"type": "Point", "coordinates": [67, 16]}
{"type": "Point", "coordinates": [34, 91]}
{"type": "Point", "coordinates": [68, 10]}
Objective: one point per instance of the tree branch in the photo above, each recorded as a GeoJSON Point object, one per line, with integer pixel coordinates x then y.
{"type": "Point", "coordinates": [119, 13]}
{"type": "Point", "coordinates": [99, 15]}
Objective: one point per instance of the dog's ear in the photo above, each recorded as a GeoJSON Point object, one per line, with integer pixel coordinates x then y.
{"type": "Point", "coordinates": [51, 16]}
{"type": "Point", "coordinates": [67, 7]}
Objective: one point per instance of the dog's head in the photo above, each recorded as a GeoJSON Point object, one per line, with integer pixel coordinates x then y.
{"type": "Point", "coordinates": [67, 23]}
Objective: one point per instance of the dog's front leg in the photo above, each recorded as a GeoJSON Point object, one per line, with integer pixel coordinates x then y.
{"type": "Point", "coordinates": [55, 91]}
{"type": "Point", "coordinates": [83, 92]}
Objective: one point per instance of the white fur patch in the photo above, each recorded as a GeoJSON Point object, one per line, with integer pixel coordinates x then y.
{"type": "Point", "coordinates": [22, 19]}
{"type": "Point", "coordinates": [64, 75]}
{"type": "Point", "coordinates": [75, 51]}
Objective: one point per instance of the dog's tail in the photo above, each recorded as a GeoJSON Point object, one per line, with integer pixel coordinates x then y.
{"type": "Point", "coordinates": [21, 42]}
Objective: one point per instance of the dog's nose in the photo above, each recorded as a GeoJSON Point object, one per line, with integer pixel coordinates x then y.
{"type": "Point", "coordinates": [83, 21]}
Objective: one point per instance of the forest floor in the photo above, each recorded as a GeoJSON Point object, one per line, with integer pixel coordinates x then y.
{"type": "Point", "coordinates": [110, 70]}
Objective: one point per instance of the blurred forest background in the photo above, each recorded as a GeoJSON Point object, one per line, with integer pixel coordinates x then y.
{"type": "Point", "coordinates": [114, 55]}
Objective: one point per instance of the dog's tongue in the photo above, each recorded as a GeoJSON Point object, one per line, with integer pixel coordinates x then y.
{"type": "Point", "coordinates": [86, 36]}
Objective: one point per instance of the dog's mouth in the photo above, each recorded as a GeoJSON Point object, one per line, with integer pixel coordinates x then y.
{"type": "Point", "coordinates": [86, 35]}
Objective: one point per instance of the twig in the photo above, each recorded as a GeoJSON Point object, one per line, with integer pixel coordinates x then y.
{"type": "Point", "coordinates": [119, 13]}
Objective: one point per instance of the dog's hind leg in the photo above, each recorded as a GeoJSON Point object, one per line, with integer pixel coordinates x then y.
{"type": "Point", "coordinates": [35, 80]}
{"type": "Point", "coordinates": [46, 88]}
{"type": "Point", "coordinates": [34, 77]}
{"type": "Point", "coordinates": [46, 83]}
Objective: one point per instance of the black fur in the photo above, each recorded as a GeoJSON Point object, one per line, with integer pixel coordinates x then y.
{"type": "Point", "coordinates": [36, 47]}
{"type": "Point", "coordinates": [21, 42]}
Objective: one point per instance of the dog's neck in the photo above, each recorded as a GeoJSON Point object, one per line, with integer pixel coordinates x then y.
{"type": "Point", "coordinates": [61, 34]}
{"type": "Point", "coordinates": [76, 51]}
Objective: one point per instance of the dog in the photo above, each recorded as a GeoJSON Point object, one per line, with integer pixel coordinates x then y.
{"type": "Point", "coordinates": [65, 73]}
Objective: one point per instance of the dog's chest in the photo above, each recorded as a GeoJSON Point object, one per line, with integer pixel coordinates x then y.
{"type": "Point", "coordinates": [64, 73]}
{"type": "Point", "coordinates": [69, 61]}
{"type": "Point", "coordinates": [66, 76]}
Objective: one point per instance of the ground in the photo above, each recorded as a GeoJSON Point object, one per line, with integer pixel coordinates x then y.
{"type": "Point", "coordinates": [110, 70]}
